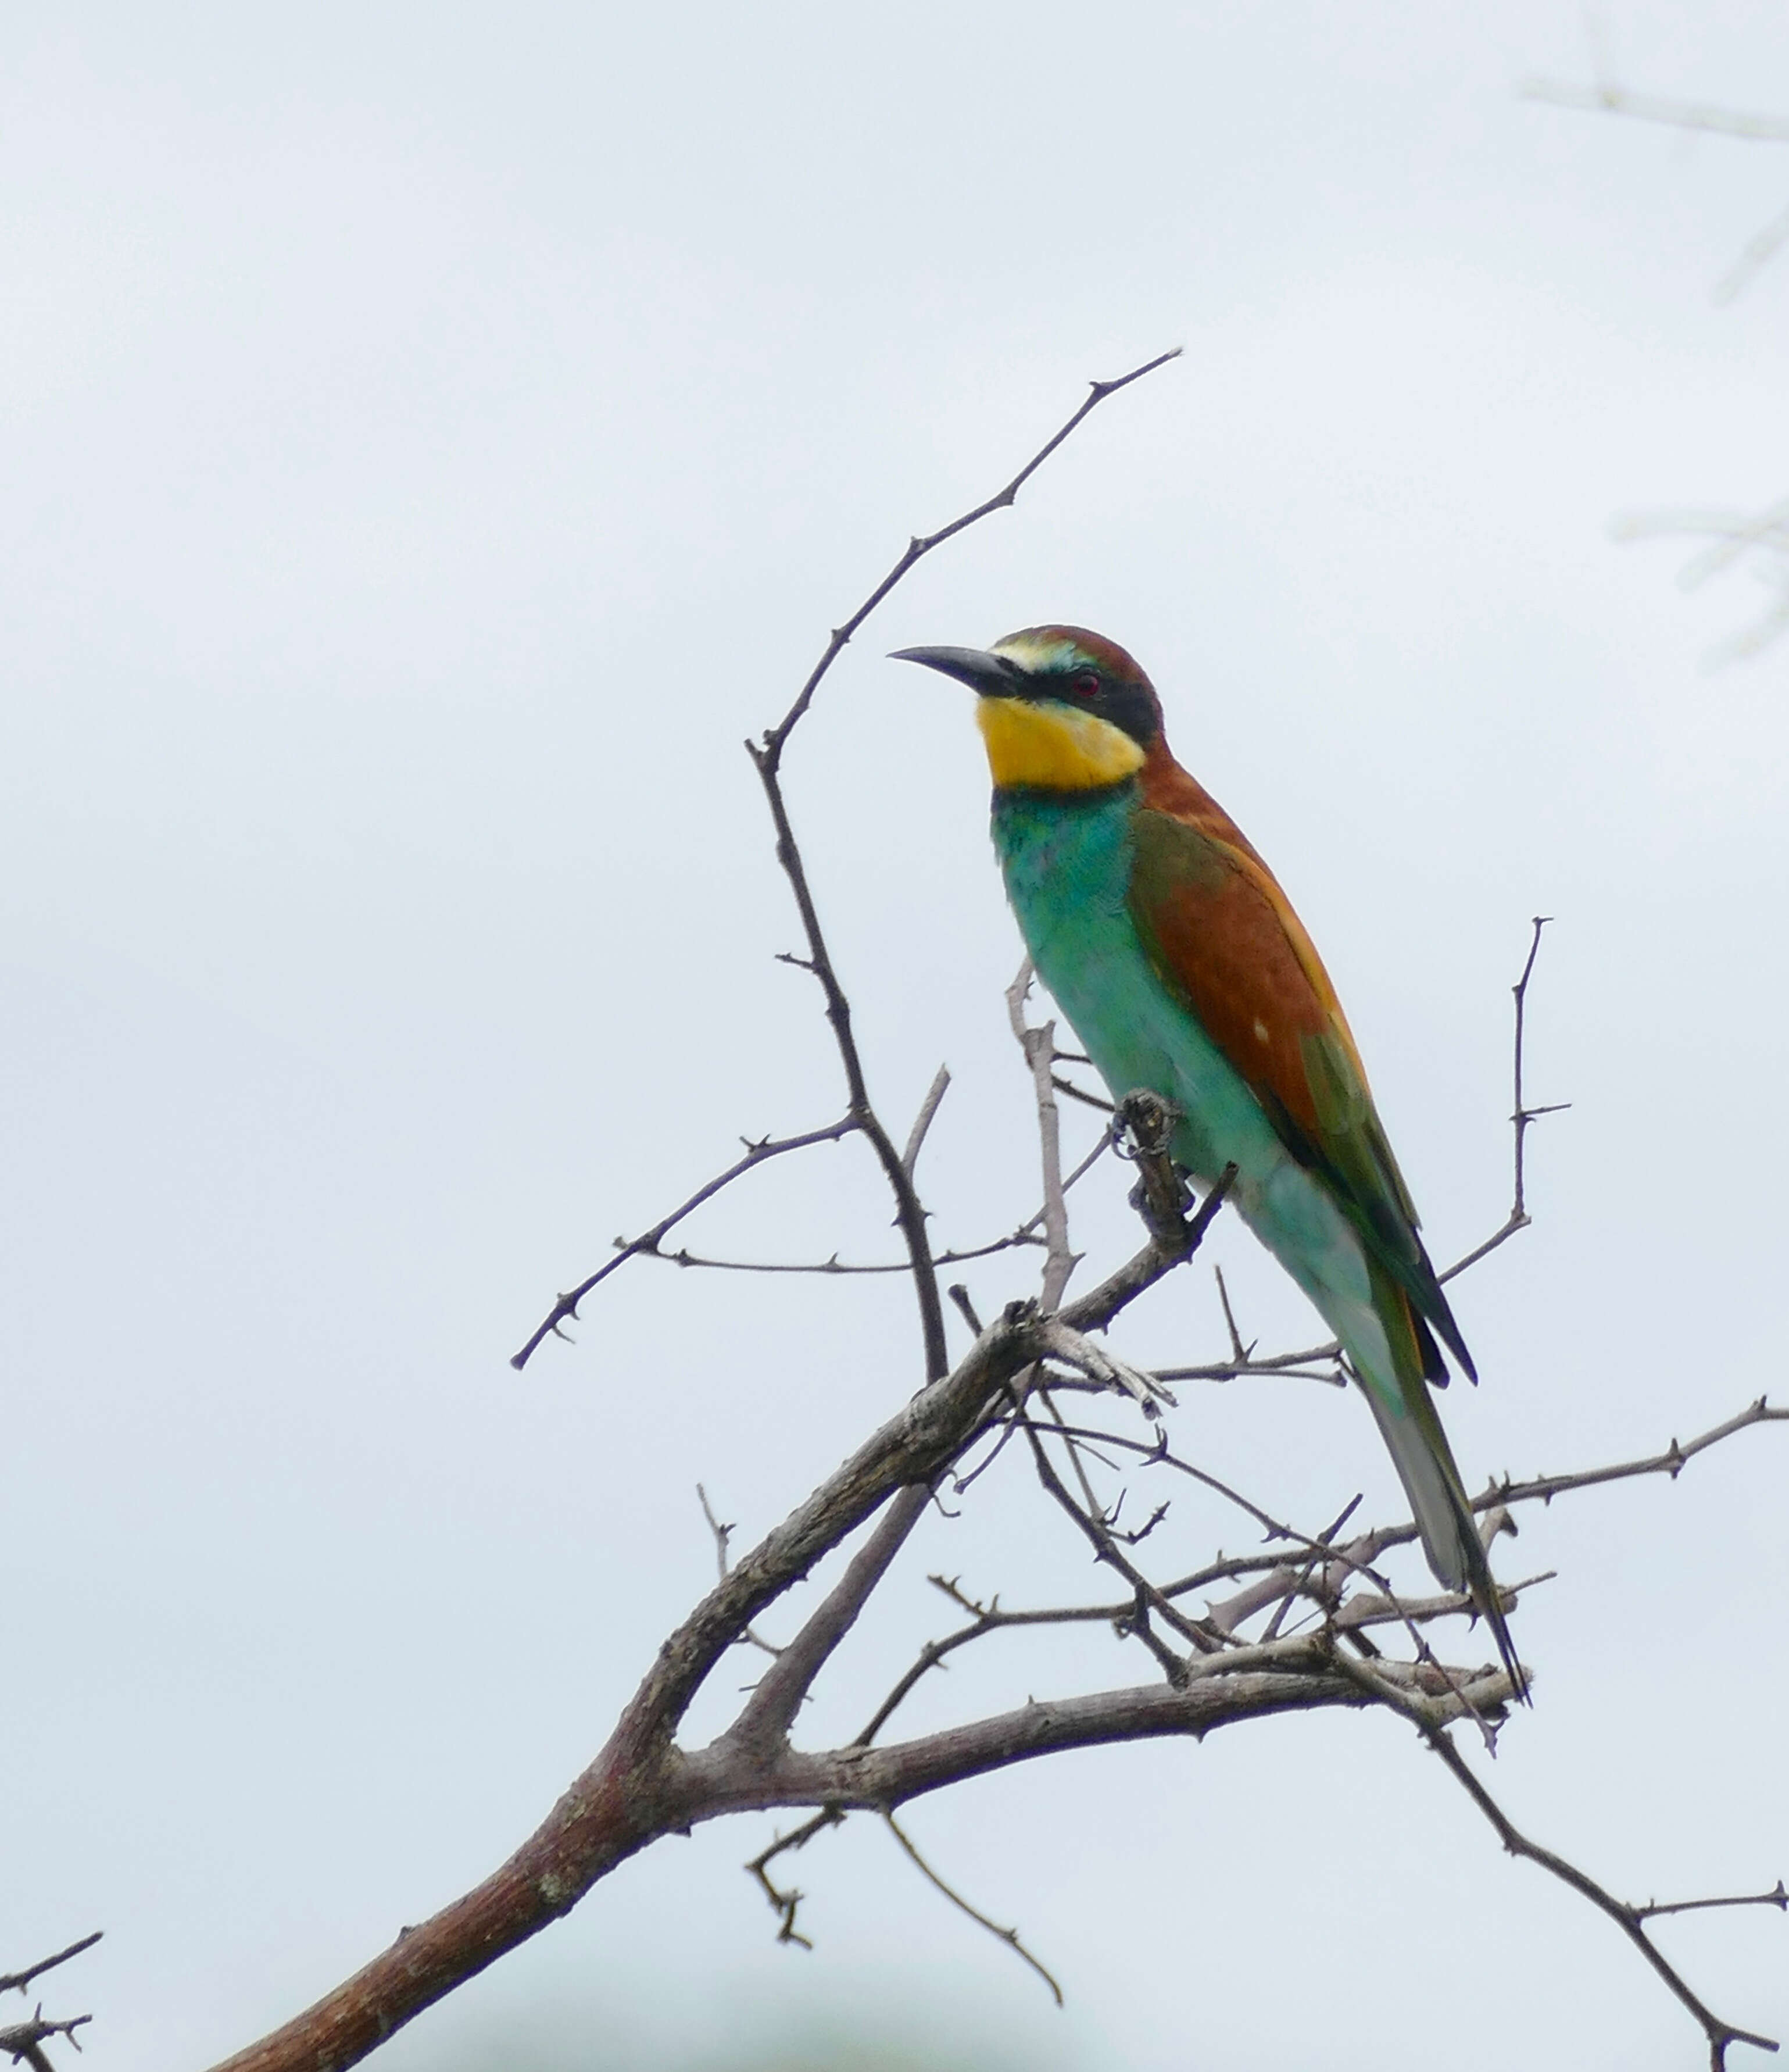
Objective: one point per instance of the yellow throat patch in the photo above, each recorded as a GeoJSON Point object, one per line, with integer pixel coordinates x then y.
{"type": "Point", "coordinates": [1052, 747]}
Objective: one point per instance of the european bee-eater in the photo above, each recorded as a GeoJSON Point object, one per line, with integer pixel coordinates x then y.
{"type": "Point", "coordinates": [1170, 946]}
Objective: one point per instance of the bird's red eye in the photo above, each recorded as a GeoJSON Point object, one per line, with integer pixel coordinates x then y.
{"type": "Point", "coordinates": [1086, 685]}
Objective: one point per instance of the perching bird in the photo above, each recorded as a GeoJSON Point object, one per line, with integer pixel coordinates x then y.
{"type": "Point", "coordinates": [1171, 949]}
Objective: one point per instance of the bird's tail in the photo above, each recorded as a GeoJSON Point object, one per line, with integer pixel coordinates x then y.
{"type": "Point", "coordinates": [1418, 1446]}
{"type": "Point", "coordinates": [1425, 1464]}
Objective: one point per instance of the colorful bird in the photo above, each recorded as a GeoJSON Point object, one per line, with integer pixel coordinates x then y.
{"type": "Point", "coordinates": [1172, 950]}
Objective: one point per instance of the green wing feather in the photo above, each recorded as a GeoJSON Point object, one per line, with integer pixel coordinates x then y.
{"type": "Point", "coordinates": [1222, 933]}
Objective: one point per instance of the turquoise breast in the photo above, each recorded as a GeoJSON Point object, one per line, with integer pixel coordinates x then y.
{"type": "Point", "coordinates": [1067, 860]}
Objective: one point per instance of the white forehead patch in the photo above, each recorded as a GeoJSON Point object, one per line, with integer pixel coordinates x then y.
{"type": "Point", "coordinates": [1033, 652]}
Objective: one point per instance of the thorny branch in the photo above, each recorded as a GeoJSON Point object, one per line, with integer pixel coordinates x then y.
{"type": "Point", "coordinates": [23, 2041]}
{"type": "Point", "coordinates": [1521, 1118]}
{"type": "Point", "coordinates": [645, 1783]}
{"type": "Point", "coordinates": [758, 1153]}
{"type": "Point", "coordinates": [1777, 1897]}
{"type": "Point", "coordinates": [1672, 1462]}
{"type": "Point", "coordinates": [1630, 1920]}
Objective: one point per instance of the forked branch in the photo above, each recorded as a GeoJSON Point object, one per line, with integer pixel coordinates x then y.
{"type": "Point", "coordinates": [22, 2042]}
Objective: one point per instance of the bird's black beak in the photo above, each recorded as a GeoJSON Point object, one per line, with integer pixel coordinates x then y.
{"type": "Point", "coordinates": [991, 674]}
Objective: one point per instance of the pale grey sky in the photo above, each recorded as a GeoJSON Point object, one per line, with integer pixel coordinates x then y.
{"type": "Point", "coordinates": [433, 437]}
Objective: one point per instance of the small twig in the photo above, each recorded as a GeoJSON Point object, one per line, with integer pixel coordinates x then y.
{"type": "Point", "coordinates": [1239, 1351]}
{"type": "Point", "coordinates": [921, 545]}
{"type": "Point", "coordinates": [1284, 1366]}
{"type": "Point", "coordinates": [1270, 1631]}
{"type": "Point", "coordinates": [1523, 1114]}
{"type": "Point", "coordinates": [12, 1982]}
{"type": "Point", "coordinates": [24, 2042]}
{"type": "Point", "coordinates": [826, 1268]}
{"type": "Point", "coordinates": [1027, 1234]}
{"type": "Point", "coordinates": [922, 1122]}
{"type": "Point", "coordinates": [909, 1212]}
{"type": "Point", "coordinates": [965, 1308]}
{"type": "Point", "coordinates": [991, 1619]}
{"type": "Point", "coordinates": [1107, 1550]}
{"type": "Point", "coordinates": [1777, 1897]}
{"type": "Point", "coordinates": [1009, 1936]}
{"type": "Point", "coordinates": [757, 1154]}
{"type": "Point", "coordinates": [1039, 1047]}
{"type": "Point", "coordinates": [1157, 1454]}
{"type": "Point", "coordinates": [786, 1902]}
{"type": "Point", "coordinates": [1520, 1120]}
{"type": "Point", "coordinates": [722, 1534]}
{"type": "Point", "coordinates": [1672, 1462]}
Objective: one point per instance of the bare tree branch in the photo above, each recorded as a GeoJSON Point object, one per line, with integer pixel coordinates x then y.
{"type": "Point", "coordinates": [16, 1981]}
{"type": "Point", "coordinates": [1009, 1936]}
{"type": "Point", "coordinates": [1777, 1897]}
{"type": "Point", "coordinates": [923, 1121]}
{"type": "Point", "coordinates": [1039, 1047]}
{"type": "Point", "coordinates": [826, 1268]}
{"type": "Point", "coordinates": [23, 2041]}
{"type": "Point", "coordinates": [1672, 1462]}
{"type": "Point", "coordinates": [918, 547]}
{"type": "Point", "coordinates": [722, 1534]}
{"type": "Point", "coordinates": [787, 1901]}
{"type": "Point", "coordinates": [1521, 1118]}
{"type": "Point", "coordinates": [1630, 1920]}
{"type": "Point", "coordinates": [757, 1154]}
